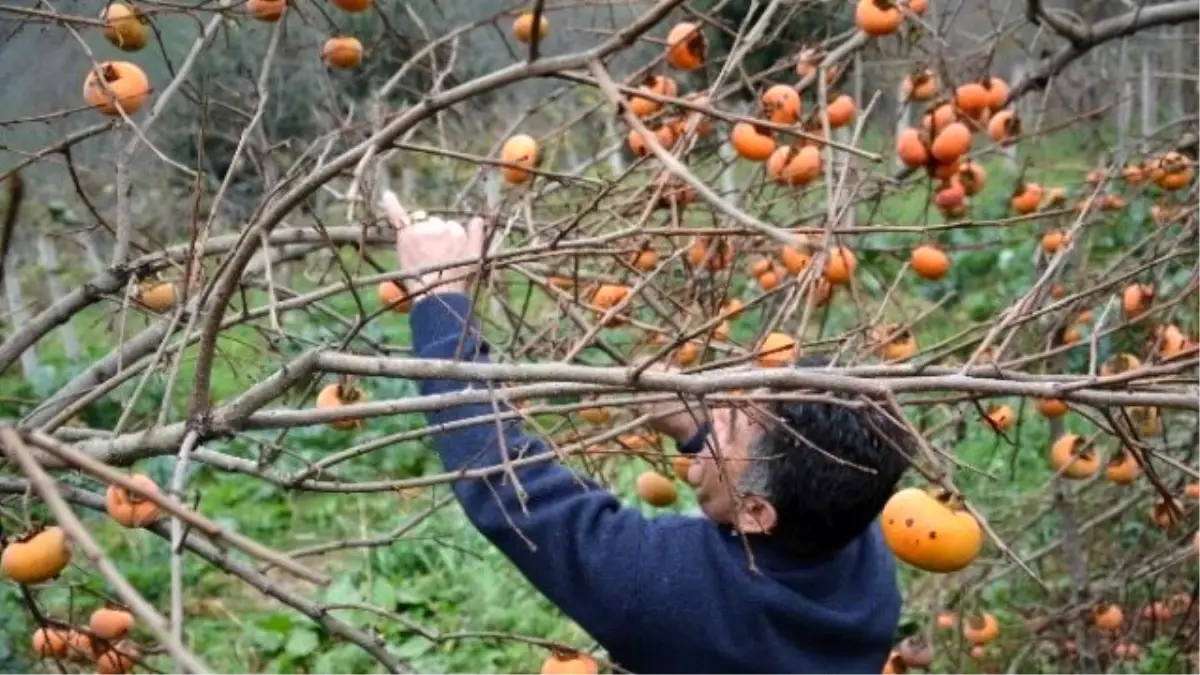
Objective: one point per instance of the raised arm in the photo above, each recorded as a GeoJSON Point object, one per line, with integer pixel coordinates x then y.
{"type": "Point", "coordinates": [569, 537]}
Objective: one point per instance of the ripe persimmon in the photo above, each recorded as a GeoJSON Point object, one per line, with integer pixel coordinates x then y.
{"type": "Point", "coordinates": [1122, 468]}
{"type": "Point", "coordinates": [1172, 171]}
{"type": "Point", "coordinates": [972, 99]}
{"type": "Point", "coordinates": [118, 659]}
{"type": "Point", "coordinates": [123, 82]}
{"type": "Point", "coordinates": [949, 195]}
{"type": "Point", "coordinates": [578, 663]}
{"type": "Point", "coordinates": [1108, 617]}
{"type": "Point", "coordinates": [1126, 650]}
{"type": "Point", "coordinates": [894, 664]}
{"type": "Point", "coordinates": [662, 85]}
{"type": "Point", "coordinates": [919, 86]}
{"type": "Point", "coordinates": [336, 395]}
{"type": "Point", "coordinates": [680, 465]}
{"type": "Point", "coordinates": [1136, 299]}
{"type": "Point", "coordinates": [721, 331]}
{"type": "Point", "coordinates": [1162, 515]}
{"type": "Point", "coordinates": [768, 280]}
{"type": "Point", "coordinates": [1121, 363]}
{"type": "Point", "coordinates": [911, 149]}
{"type": "Point", "coordinates": [1071, 458]}
{"type": "Point", "coordinates": [790, 165]}
{"type": "Point", "coordinates": [1168, 341]}
{"type": "Point", "coordinates": [794, 260]}
{"type": "Point", "coordinates": [780, 104]}
{"type": "Point", "coordinates": [839, 265]}
{"type": "Point", "coordinates": [1177, 180]}
{"type": "Point", "coordinates": [841, 110]}
{"type": "Point", "coordinates": [268, 11]}
{"type": "Point", "coordinates": [608, 296]}
{"type": "Point", "coordinates": [523, 27]}
{"type": "Point", "coordinates": [595, 415]}
{"type": "Point", "coordinates": [997, 92]}
{"type": "Point", "coordinates": [715, 256]}
{"type": "Point", "coordinates": [656, 489]}
{"type": "Point", "coordinates": [674, 193]}
{"type": "Point", "coordinates": [342, 52]}
{"type": "Point", "coordinates": [687, 354]}
{"type": "Point", "coordinates": [898, 344]}
{"type": "Point", "coordinates": [1000, 417]}
{"type": "Point", "coordinates": [947, 171]}
{"type": "Point", "coordinates": [733, 307]}
{"type": "Point", "coordinates": [80, 647]}
{"type": "Point", "coordinates": [522, 150]}
{"type": "Point", "coordinates": [156, 296]}
{"type": "Point", "coordinates": [1157, 611]}
{"type": "Point", "coordinates": [938, 118]}
{"type": "Point", "coordinates": [392, 295]}
{"type": "Point", "coordinates": [1004, 127]}
{"type": "Point", "coordinates": [1051, 407]}
{"type": "Point", "coordinates": [1053, 240]}
{"type": "Point", "coordinates": [777, 351]}
{"type": "Point", "coordinates": [1026, 199]}
{"type": "Point", "coordinates": [1146, 419]}
{"type": "Point", "coordinates": [946, 620]}
{"type": "Point", "coordinates": [124, 27]}
{"type": "Point", "coordinates": [930, 530]}
{"type": "Point", "coordinates": [686, 47]}
{"type": "Point", "coordinates": [129, 508]}
{"type": "Point", "coordinates": [639, 440]}
{"type": "Point", "coordinates": [639, 146]}
{"type": "Point", "coordinates": [877, 17]}
{"type": "Point", "coordinates": [951, 143]}
{"type": "Point", "coordinates": [972, 177]}
{"type": "Point", "coordinates": [981, 629]}
{"type": "Point", "coordinates": [645, 259]}
{"type": "Point", "coordinates": [1133, 175]}
{"type": "Point", "coordinates": [110, 623]}
{"type": "Point", "coordinates": [704, 124]}
{"type": "Point", "coordinates": [751, 143]}
{"type": "Point", "coordinates": [929, 262]}
{"type": "Point", "coordinates": [36, 558]}
{"type": "Point", "coordinates": [50, 642]}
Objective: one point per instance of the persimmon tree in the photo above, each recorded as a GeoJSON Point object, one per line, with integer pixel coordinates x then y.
{"type": "Point", "coordinates": [958, 213]}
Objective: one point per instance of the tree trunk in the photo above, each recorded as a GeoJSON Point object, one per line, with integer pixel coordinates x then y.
{"type": "Point", "coordinates": [1148, 97]}
{"type": "Point", "coordinates": [16, 310]}
{"type": "Point", "coordinates": [49, 259]}
{"type": "Point", "coordinates": [615, 161]}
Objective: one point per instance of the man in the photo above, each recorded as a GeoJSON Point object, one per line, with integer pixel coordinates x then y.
{"type": "Point", "coordinates": [797, 489]}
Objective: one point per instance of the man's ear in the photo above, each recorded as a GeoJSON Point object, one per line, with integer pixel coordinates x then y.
{"type": "Point", "coordinates": [756, 515]}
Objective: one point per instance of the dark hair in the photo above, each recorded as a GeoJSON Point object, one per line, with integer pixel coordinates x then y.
{"type": "Point", "coordinates": [822, 503]}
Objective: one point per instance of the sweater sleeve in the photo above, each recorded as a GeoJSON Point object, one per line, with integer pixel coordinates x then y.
{"type": "Point", "coordinates": [571, 538]}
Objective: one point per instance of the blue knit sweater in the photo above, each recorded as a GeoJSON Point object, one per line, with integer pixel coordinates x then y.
{"type": "Point", "coordinates": [670, 594]}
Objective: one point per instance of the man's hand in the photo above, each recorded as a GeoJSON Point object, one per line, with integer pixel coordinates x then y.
{"type": "Point", "coordinates": [431, 243]}
{"type": "Point", "coordinates": [681, 425]}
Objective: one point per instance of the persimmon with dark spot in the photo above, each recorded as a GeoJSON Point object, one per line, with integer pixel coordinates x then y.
{"type": "Point", "coordinates": [930, 530]}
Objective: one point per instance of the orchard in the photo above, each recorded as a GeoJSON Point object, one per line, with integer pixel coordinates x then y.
{"type": "Point", "coordinates": [215, 455]}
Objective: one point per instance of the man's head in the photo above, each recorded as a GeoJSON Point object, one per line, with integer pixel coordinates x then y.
{"type": "Point", "coordinates": [812, 473]}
